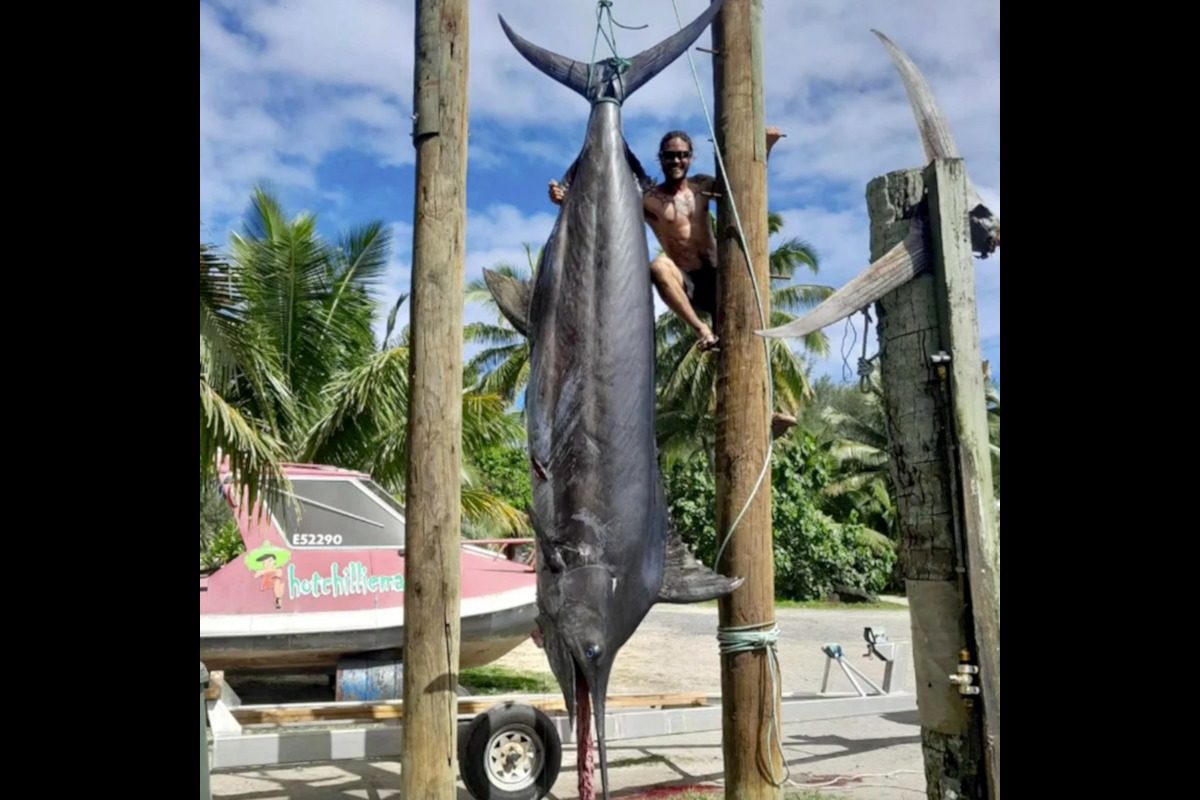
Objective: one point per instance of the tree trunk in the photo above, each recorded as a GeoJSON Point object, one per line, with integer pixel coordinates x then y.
{"type": "Point", "coordinates": [918, 427]}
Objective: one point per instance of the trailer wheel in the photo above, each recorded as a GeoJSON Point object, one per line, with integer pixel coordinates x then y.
{"type": "Point", "coordinates": [510, 752]}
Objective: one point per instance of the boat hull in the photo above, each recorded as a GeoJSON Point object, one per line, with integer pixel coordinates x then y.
{"type": "Point", "coordinates": [324, 579]}
{"type": "Point", "coordinates": [484, 638]}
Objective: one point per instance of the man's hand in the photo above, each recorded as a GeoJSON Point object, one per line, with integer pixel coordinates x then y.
{"type": "Point", "coordinates": [557, 193]}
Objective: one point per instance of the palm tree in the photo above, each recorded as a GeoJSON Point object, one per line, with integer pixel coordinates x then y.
{"type": "Point", "coordinates": [859, 447]}
{"type": "Point", "coordinates": [503, 367]}
{"type": "Point", "coordinates": [290, 370]}
{"type": "Point", "coordinates": [235, 375]}
{"type": "Point", "coordinates": [366, 423]}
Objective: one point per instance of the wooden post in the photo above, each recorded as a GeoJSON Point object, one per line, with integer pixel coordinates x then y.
{"type": "Point", "coordinates": [743, 401]}
{"type": "Point", "coordinates": [433, 494]}
{"type": "Point", "coordinates": [954, 271]}
{"type": "Point", "coordinates": [920, 439]}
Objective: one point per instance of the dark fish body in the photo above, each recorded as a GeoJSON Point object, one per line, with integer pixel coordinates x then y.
{"type": "Point", "coordinates": [598, 505]}
{"type": "Point", "coordinates": [606, 552]}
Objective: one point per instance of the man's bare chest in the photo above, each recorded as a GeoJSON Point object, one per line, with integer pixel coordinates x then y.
{"type": "Point", "coordinates": [676, 208]}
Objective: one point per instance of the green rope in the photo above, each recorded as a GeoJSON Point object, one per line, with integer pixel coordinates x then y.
{"type": "Point", "coordinates": [760, 637]}
{"type": "Point", "coordinates": [751, 637]}
{"type": "Point", "coordinates": [621, 65]}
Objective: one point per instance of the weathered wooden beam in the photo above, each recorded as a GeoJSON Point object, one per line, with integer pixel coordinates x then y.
{"type": "Point", "coordinates": [919, 440]}
{"type": "Point", "coordinates": [470, 706]}
{"type": "Point", "coordinates": [954, 273]}
{"type": "Point", "coordinates": [433, 493]}
{"type": "Point", "coordinates": [743, 400]}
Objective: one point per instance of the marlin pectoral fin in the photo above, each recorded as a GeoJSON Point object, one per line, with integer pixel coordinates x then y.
{"type": "Point", "coordinates": [686, 580]}
{"type": "Point", "coordinates": [639, 172]}
{"type": "Point", "coordinates": [512, 296]}
{"type": "Point", "coordinates": [897, 267]}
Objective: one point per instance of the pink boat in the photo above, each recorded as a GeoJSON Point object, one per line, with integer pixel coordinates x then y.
{"type": "Point", "coordinates": [325, 585]}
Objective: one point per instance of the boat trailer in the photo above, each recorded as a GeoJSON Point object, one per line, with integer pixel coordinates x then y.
{"type": "Point", "coordinates": [514, 743]}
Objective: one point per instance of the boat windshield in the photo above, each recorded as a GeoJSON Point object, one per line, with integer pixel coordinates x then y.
{"type": "Point", "coordinates": [340, 513]}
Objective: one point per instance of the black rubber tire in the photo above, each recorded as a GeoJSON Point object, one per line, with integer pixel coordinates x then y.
{"type": "Point", "coordinates": [530, 730]}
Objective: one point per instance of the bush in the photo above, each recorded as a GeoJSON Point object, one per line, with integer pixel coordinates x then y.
{"type": "Point", "coordinates": [813, 552]}
{"type": "Point", "coordinates": [220, 539]}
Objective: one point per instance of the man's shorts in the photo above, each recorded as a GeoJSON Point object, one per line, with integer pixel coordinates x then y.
{"type": "Point", "coordinates": [701, 287]}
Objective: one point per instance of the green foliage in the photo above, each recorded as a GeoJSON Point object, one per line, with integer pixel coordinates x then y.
{"type": "Point", "coordinates": [220, 540]}
{"type": "Point", "coordinates": [290, 369]}
{"type": "Point", "coordinates": [504, 472]}
{"type": "Point", "coordinates": [499, 680]}
{"type": "Point", "coordinates": [813, 552]}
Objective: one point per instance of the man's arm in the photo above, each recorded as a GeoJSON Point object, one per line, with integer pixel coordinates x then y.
{"type": "Point", "coordinates": [704, 184]}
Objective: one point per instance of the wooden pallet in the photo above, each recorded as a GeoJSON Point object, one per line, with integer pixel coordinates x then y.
{"type": "Point", "coordinates": [293, 713]}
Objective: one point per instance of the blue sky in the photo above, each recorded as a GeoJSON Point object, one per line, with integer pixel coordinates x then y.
{"type": "Point", "coordinates": [313, 99]}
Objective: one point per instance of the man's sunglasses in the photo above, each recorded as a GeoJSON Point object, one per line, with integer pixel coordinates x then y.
{"type": "Point", "coordinates": [675, 155]}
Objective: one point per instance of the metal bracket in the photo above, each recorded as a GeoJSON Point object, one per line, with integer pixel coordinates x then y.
{"type": "Point", "coordinates": [425, 116]}
{"type": "Point", "coordinates": [964, 679]}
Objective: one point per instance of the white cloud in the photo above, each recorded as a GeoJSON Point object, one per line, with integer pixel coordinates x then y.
{"type": "Point", "coordinates": [828, 81]}
{"type": "Point", "coordinates": [290, 83]}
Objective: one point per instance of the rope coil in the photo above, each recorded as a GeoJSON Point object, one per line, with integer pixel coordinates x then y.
{"type": "Point", "coordinates": [749, 638]}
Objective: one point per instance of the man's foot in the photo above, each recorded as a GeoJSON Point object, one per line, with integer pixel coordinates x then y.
{"type": "Point", "coordinates": [708, 341]}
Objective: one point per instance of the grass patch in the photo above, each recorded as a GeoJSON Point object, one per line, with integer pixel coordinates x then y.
{"type": "Point", "coordinates": [827, 605]}
{"type": "Point", "coordinates": [500, 680]}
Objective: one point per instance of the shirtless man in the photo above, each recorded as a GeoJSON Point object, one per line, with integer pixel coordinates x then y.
{"type": "Point", "coordinates": [677, 211]}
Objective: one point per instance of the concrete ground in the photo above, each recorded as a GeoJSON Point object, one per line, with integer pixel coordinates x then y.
{"type": "Point", "coordinates": [876, 757]}
{"type": "Point", "coordinates": [866, 758]}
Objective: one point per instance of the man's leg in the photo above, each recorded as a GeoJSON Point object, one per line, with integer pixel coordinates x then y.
{"type": "Point", "coordinates": [668, 280]}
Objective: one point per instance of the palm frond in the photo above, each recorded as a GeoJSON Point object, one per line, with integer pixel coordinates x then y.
{"type": "Point", "coordinates": [791, 254]}
{"type": "Point", "coordinates": [484, 333]}
{"type": "Point", "coordinates": [483, 508]}
{"type": "Point", "coordinates": [799, 296]}
{"type": "Point", "coordinates": [361, 262]}
{"type": "Point", "coordinates": [255, 458]}
{"type": "Point", "coordinates": [485, 423]}
{"type": "Point", "coordinates": [361, 405]}
{"type": "Point", "coordinates": [391, 320]}
{"type": "Point", "coordinates": [509, 377]}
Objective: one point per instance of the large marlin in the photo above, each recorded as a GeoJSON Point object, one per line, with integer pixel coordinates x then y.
{"type": "Point", "coordinates": [606, 552]}
{"type": "Point", "coordinates": [908, 258]}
